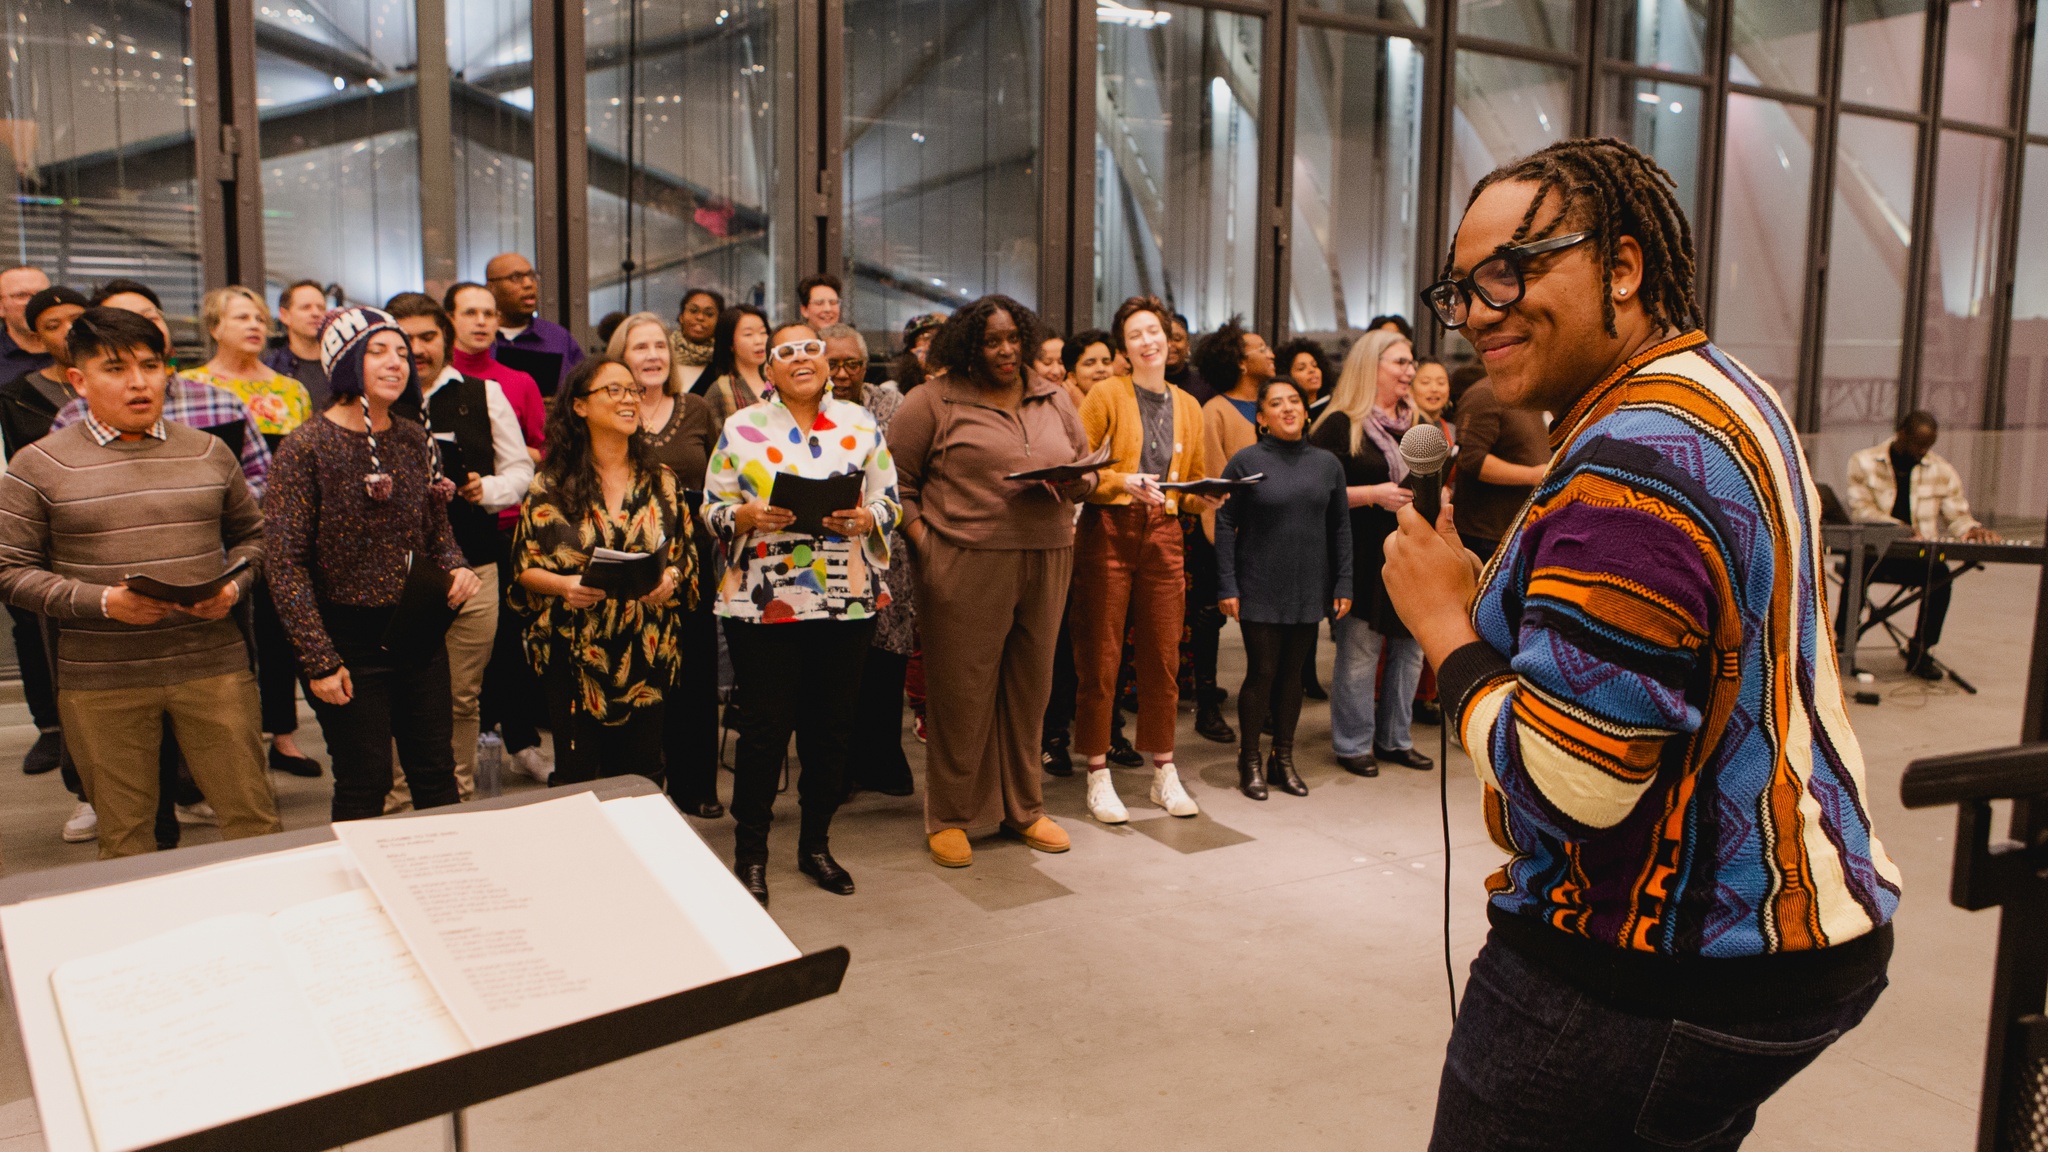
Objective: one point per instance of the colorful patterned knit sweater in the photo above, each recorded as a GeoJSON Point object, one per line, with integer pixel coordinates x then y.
{"type": "Point", "coordinates": [1654, 707]}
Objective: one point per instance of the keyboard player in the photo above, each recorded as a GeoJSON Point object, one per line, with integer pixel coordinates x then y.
{"type": "Point", "coordinates": [1904, 481]}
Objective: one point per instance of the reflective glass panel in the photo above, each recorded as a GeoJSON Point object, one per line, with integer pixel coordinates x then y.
{"type": "Point", "coordinates": [1177, 162]}
{"type": "Point", "coordinates": [1664, 120]}
{"type": "Point", "coordinates": [942, 163]}
{"type": "Point", "coordinates": [2026, 372]}
{"type": "Point", "coordinates": [341, 192]}
{"type": "Point", "coordinates": [1533, 23]}
{"type": "Point", "coordinates": [1776, 44]}
{"type": "Point", "coordinates": [1976, 76]}
{"type": "Point", "coordinates": [1357, 147]}
{"type": "Point", "coordinates": [1667, 34]}
{"type": "Point", "coordinates": [490, 51]}
{"type": "Point", "coordinates": [2037, 91]}
{"type": "Point", "coordinates": [1760, 260]}
{"type": "Point", "coordinates": [1962, 277]}
{"type": "Point", "coordinates": [1882, 44]}
{"type": "Point", "coordinates": [96, 122]}
{"type": "Point", "coordinates": [1405, 11]}
{"type": "Point", "coordinates": [685, 111]}
{"type": "Point", "coordinates": [1506, 109]}
{"type": "Point", "coordinates": [1870, 248]}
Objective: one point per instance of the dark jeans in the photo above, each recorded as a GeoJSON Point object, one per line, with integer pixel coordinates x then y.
{"type": "Point", "coordinates": [801, 677]}
{"type": "Point", "coordinates": [512, 696]}
{"type": "Point", "coordinates": [1273, 655]}
{"type": "Point", "coordinates": [1912, 574]}
{"type": "Point", "coordinates": [689, 715]}
{"type": "Point", "coordinates": [409, 704]}
{"type": "Point", "coordinates": [1059, 710]}
{"type": "Point", "coordinates": [585, 748]}
{"type": "Point", "coordinates": [875, 759]}
{"type": "Point", "coordinates": [1536, 1066]}
{"type": "Point", "coordinates": [277, 666]}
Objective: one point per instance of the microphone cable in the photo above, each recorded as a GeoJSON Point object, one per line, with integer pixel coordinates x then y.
{"type": "Point", "coordinates": [1443, 795]}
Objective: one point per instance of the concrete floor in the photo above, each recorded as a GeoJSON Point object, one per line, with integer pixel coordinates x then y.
{"type": "Point", "coordinates": [1264, 975]}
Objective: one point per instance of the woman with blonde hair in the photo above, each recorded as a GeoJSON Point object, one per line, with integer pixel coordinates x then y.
{"type": "Point", "coordinates": [238, 325]}
{"type": "Point", "coordinates": [1369, 410]}
{"type": "Point", "coordinates": [681, 434]}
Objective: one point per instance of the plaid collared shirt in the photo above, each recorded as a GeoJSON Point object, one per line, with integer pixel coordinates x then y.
{"type": "Point", "coordinates": [198, 405]}
{"type": "Point", "coordinates": [105, 434]}
{"type": "Point", "coordinates": [1939, 506]}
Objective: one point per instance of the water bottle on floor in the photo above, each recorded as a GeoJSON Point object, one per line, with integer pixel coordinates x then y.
{"type": "Point", "coordinates": [490, 765]}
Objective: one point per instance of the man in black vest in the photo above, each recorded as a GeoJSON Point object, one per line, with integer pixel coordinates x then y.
{"type": "Point", "coordinates": [482, 450]}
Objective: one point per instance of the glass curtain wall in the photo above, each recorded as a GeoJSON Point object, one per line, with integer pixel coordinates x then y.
{"type": "Point", "coordinates": [336, 102]}
{"type": "Point", "coordinates": [490, 54]}
{"type": "Point", "coordinates": [1177, 160]}
{"type": "Point", "coordinates": [685, 111]}
{"type": "Point", "coordinates": [96, 135]}
{"type": "Point", "coordinates": [943, 177]}
{"type": "Point", "coordinates": [1760, 254]}
{"type": "Point", "coordinates": [1870, 255]}
{"type": "Point", "coordinates": [1505, 108]}
{"type": "Point", "coordinates": [1356, 163]}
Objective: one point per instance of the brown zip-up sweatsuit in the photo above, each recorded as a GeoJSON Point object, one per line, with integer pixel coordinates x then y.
{"type": "Point", "coordinates": [992, 576]}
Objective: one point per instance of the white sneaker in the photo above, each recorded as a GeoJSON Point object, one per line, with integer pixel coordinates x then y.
{"type": "Point", "coordinates": [200, 813]}
{"type": "Point", "coordinates": [84, 824]}
{"type": "Point", "coordinates": [530, 762]}
{"type": "Point", "coordinates": [1168, 794]}
{"type": "Point", "coordinates": [1103, 803]}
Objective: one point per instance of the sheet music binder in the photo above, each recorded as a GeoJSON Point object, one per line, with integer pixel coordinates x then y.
{"type": "Point", "coordinates": [423, 1093]}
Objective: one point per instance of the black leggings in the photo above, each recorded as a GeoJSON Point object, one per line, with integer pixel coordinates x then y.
{"type": "Point", "coordinates": [689, 710]}
{"type": "Point", "coordinates": [1273, 655]}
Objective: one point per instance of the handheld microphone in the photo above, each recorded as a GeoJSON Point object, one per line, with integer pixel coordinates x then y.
{"type": "Point", "coordinates": [1424, 451]}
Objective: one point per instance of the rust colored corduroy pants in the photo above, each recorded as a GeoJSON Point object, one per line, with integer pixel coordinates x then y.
{"type": "Point", "coordinates": [1127, 560]}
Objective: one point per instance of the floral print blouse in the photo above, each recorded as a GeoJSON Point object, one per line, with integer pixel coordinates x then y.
{"type": "Point", "coordinates": [774, 577]}
{"type": "Point", "coordinates": [623, 651]}
{"type": "Point", "coordinates": [279, 404]}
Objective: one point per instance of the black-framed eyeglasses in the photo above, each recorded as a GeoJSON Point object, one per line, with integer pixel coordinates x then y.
{"type": "Point", "coordinates": [1497, 280]}
{"type": "Point", "coordinates": [618, 392]}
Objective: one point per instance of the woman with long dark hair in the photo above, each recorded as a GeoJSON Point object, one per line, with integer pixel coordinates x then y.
{"type": "Point", "coordinates": [798, 605]}
{"type": "Point", "coordinates": [679, 433]}
{"type": "Point", "coordinates": [739, 351]}
{"type": "Point", "coordinates": [355, 498]}
{"type": "Point", "coordinates": [993, 560]}
{"type": "Point", "coordinates": [603, 661]}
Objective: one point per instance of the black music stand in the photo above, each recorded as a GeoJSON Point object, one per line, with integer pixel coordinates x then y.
{"type": "Point", "coordinates": [447, 1087]}
{"type": "Point", "coordinates": [2011, 876]}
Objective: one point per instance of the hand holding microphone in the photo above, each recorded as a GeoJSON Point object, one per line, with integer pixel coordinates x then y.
{"type": "Point", "coordinates": [1424, 451]}
{"type": "Point", "coordinates": [1429, 574]}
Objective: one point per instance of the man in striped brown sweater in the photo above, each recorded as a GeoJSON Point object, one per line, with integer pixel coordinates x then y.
{"type": "Point", "coordinates": [126, 492]}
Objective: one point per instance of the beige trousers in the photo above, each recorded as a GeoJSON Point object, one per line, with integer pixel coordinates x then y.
{"type": "Point", "coordinates": [114, 736]}
{"type": "Point", "coordinates": [990, 623]}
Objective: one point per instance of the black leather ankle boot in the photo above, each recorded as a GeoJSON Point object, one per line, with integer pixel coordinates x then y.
{"type": "Point", "coordinates": [1280, 771]}
{"type": "Point", "coordinates": [1249, 781]}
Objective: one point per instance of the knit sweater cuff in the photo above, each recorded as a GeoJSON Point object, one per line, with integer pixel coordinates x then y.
{"type": "Point", "coordinates": [1464, 673]}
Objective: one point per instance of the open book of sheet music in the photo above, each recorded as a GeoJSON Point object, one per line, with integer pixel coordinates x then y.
{"type": "Point", "coordinates": [475, 929]}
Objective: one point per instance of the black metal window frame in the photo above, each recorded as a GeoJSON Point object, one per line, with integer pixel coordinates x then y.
{"type": "Point", "coordinates": [231, 200]}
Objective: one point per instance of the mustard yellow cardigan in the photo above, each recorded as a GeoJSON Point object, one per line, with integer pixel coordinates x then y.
{"type": "Point", "coordinates": [1111, 414]}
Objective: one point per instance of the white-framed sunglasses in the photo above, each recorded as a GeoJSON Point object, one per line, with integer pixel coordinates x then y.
{"type": "Point", "coordinates": [797, 350]}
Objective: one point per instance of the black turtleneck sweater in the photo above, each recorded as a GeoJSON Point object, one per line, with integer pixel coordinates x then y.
{"type": "Point", "coordinates": [1283, 545]}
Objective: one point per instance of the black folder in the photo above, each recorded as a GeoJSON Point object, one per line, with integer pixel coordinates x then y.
{"type": "Point", "coordinates": [813, 500]}
{"type": "Point", "coordinates": [183, 594]}
{"type": "Point", "coordinates": [544, 367]}
{"type": "Point", "coordinates": [231, 433]}
{"type": "Point", "coordinates": [1061, 473]}
{"type": "Point", "coordinates": [420, 623]}
{"type": "Point", "coordinates": [623, 575]}
{"type": "Point", "coordinates": [1214, 486]}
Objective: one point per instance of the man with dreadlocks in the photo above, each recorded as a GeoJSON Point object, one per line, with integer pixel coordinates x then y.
{"type": "Point", "coordinates": [1694, 904]}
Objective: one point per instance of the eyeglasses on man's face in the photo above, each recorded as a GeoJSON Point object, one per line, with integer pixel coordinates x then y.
{"type": "Point", "coordinates": [528, 276]}
{"type": "Point", "coordinates": [848, 366]}
{"type": "Point", "coordinates": [1498, 280]}
{"type": "Point", "coordinates": [797, 350]}
{"type": "Point", "coordinates": [619, 392]}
